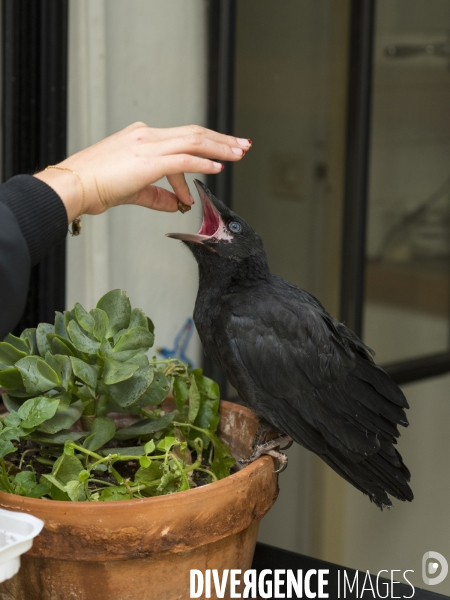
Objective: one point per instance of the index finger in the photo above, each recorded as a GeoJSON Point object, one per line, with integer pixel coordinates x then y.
{"type": "Point", "coordinates": [198, 130]}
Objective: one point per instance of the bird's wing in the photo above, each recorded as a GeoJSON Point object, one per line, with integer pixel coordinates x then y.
{"type": "Point", "coordinates": [311, 376]}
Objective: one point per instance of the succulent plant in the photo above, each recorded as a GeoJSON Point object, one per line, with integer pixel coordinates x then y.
{"type": "Point", "coordinates": [63, 380]}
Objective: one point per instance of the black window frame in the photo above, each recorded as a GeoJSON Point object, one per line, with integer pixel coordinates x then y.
{"type": "Point", "coordinates": [34, 120]}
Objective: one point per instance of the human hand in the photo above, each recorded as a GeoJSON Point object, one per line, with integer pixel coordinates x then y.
{"type": "Point", "coordinates": [122, 168]}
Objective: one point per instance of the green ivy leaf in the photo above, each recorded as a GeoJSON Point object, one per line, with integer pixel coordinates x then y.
{"type": "Point", "coordinates": [11, 379]}
{"type": "Point", "coordinates": [116, 305]}
{"type": "Point", "coordinates": [35, 411]}
{"type": "Point", "coordinates": [166, 443]}
{"type": "Point", "coordinates": [149, 447]}
{"type": "Point", "coordinates": [9, 355]}
{"type": "Point", "coordinates": [85, 372]}
{"type": "Point", "coordinates": [194, 400]}
{"type": "Point", "coordinates": [143, 427]}
{"type": "Point", "coordinates": [6, 447]}
{"type": "Point", "coordinates": [110, 494]}
{"type": "Point", "coordinates": [149, 474]}
{"type": "Point", "coordinates": [180, 392]}
{"type": "Point", "coordinates": [84, 318]}
{"type": "Point", "coordinates": [115, 371]}
{"type": "Point", "coordinates": [63, 419]}
{"type": "Point", "coordinates": [137, 338]}
{"type": "Point", "coordinates": [18, 343]}
{"type": "Point", "coordinates": [42, 331]}
{"type": "Point", "coordinates": [37, 375]}
{"type": "Point", "coordinates": [102, 430]}
{"type": "Point", "coordinates": [130, 451]}
{"type": "Point", "coordinates": [101, 323]}
{"type": "Point", "coordinates": [80, 340]}
{"type": "Point", "coordinates": [145, 462]}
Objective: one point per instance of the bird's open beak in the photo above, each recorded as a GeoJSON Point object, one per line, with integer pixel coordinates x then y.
{"type": "Point", "coordinates": [212, 224]}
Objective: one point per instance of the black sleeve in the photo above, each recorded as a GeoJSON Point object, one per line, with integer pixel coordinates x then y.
{"type": "Point", "coordinates": [32, 220]}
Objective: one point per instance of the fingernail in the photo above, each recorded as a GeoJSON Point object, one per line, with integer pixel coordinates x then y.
{"type": "Point", "coordinates": [244, 142]}
{"type": "Point", "coordinates": [192, 199]}
{"type": "Point", "coordinates": [238, 151]}
{"type": "Point", "coordinates": [218, 165]}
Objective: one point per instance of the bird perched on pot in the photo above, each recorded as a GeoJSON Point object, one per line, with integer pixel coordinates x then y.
{"type": "Point", "coordinates": [301, 371]}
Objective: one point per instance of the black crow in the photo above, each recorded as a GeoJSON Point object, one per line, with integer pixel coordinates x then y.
{"type": "Point", "coordinates": [291, 362]}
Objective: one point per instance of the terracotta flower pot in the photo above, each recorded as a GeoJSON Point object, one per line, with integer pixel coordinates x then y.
{"type": "Point", "coordinates": [144, 549]}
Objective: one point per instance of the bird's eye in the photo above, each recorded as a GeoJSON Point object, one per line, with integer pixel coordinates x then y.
{"type": "Point", "coordinates": [235, 227]}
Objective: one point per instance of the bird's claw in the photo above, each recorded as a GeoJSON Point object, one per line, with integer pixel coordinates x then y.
{"type": "Point", "coordinates": [270, 449]}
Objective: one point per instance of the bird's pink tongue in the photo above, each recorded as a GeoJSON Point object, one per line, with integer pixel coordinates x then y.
{"type": "Point", "coordinates": [211, 219]}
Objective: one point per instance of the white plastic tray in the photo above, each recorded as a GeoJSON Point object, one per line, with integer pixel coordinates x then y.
{"type": "Point", "coordinates": [17, 531]}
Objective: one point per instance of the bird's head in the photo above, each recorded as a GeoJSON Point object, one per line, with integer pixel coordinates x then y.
{"type": "Point", "coordinates": [223, 234]}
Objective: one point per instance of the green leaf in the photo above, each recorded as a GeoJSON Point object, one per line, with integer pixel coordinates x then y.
{"type": "Point", "coordinates": [102, 430]}
{"type": "Point", "coordinates": [207, 387]}
{"type": "Point", "coordinates": [151, 327]}
{"type": "Point", "coordinates": [117, 306]}
{"type": "Point", "coordinates": [65, 367]}
{"type": "Point", "coordinates": [80, 340]}
{"type": "Point", "coordinates": [18, 343]}
{"type": "Point", "coordinates": [69, 315]}
{"type": "Point", "coordinates": [194, 400]}
{"type": "Point", "coordinates": [149, 474]}
{"type": "Point", "coordinates": [75, 491]}
{"type": "Point", "coordinates": [35, 411]}
{"type": "Point", "coordinates": [127, 393]}
{"type": "Point", "coordinates": [11, 379]}
{"type": "Point", "coordinates": [9, 355]}
{"type": "Point", "coordinates": [223, 461]}
{"type": "Point", "coordinates": [145, 462]}
{"type": "Point", "coordinates": [116, 371]}
{"type": "Point", "coordinates": [130, 451]}
{"type": "Point", "coordinates": [166, 443]}
{"type": "Point", "coordinates": [11, 403]}
{"type": "Point", "coordinates": [25, 484]}
{"type": "Point", "coordinates": [12, 420]}
{"type": "Point", "coordinates": [138, 319]}
{"type": "Point", "coordinates": [149, 447]}
{"type": "Point", "coordinates": [101, 323]}
{"type": "Point", "coordinates": [157, 390]}
{"type": "Point", "coordinates": [138, 338]}
{"type": "Point", "coordinates": [85, 372]}
{"type": "Point", "coordinates": [60, 325]}
{"type": "Point", "coordinates": [118, 492]}
{"type": "Point", "coordinates": [84, 475]}
{"type": "Point", "coordinates": [143, 427]}
{"type": "Point", "coordinates": [208, 416]}
{"type": "Point", "coordinates": [61, 437]}
{"type": "Point", "coordinates": [63, 419]}
{"type": "Point", "coordinates": [84, 318]}
{"type": "Point", "coordinates": [6, 447]}
{"type": "Point", "coordinates": [29, 335]}
{"type": "Point", "coordinates": [66, 468]}
{"type": "Point", "coordinates": [41, 337]}
{"type": "Point", "coordinates": [53, 364]}
{"type": "Point", "coordinates": [37, 375]}
{"type": "Point", "coordinates": [180, 392]}
{"type": "Point", "coordinates": [61, 346]}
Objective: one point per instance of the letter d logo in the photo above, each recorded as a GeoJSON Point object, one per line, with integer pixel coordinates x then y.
{"type": "Point", "coordinates": [430, 568]}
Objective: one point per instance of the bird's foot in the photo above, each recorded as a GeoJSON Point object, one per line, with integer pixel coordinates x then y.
{"type": "Point", "coordinates": [272, 449]}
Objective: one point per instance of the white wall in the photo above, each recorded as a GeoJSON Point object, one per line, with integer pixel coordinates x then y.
{"type": "Point", "coordinates": [140, 60]}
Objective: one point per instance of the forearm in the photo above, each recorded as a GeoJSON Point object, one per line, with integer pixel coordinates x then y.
{"type": "Point", "coordinates": [32, 219]}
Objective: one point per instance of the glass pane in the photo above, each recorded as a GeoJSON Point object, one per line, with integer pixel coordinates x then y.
{"type": "Point", "coordinates": [408, 247]}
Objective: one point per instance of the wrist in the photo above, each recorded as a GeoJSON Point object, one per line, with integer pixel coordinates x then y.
{"type": "Point", "coordinates": [68, 187]}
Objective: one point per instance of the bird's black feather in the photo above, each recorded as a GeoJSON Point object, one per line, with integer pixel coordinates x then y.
{"type": "Point", "coordinates": [296, 366]}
